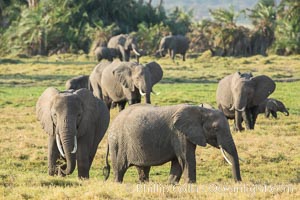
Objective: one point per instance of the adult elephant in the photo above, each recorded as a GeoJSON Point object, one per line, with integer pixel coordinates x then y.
{"type": "Point", "coordinates": [147, 135]}
{"type": "Point", "coordinates": [238, 96]}
{"type": "Point", "coordinates": [123, 44]}
{"type": "Point", "coordinates": [105, 53]}
{"type": "Point", "coordinates": [122, 82]}
{"type": "Point", "coordinates": [76, 122]}
{"type": "Point", "coordinates": [174, 44]}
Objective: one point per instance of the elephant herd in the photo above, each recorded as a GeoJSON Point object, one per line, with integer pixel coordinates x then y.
{"type": "Point", "coordinates": [144, 135]}
{"type": "Point", "coordinates": [120, 46]}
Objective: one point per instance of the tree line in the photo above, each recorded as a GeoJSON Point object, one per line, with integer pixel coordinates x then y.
{"type": "Point", "coordinates": [39, 27]}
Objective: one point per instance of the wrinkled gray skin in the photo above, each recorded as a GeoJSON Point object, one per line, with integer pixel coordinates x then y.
{"type": "Point", "coordinates": [144, 135]}
{"type": "Point", "coordinates": [174, 44]}
{"type": "Point", "coordinates": [272, 106]}
{"type": "Point", "coordinates": [123, 45]}
{"type": "Point", "coordinates": [105, 53]}
{"type": "Point", "coordinates": [122, 82]}
{"type": "Point", "coordinates": [239, 95]}
{"type": "Point", "coordinates": [78, 82]}
{"type": "Point", "coordinates": [66, 115]}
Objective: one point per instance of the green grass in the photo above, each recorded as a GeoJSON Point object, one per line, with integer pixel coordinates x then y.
{"type": "Point", "coordinates": [270, 152]}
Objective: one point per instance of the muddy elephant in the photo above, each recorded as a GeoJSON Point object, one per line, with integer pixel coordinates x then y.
{"type": "Point", "coordinates": [105, 53]}
{"type": "Point", "coordinates": [239, 95]}
{"type": "Point", "coordinates": [122, 82]}
{"type": "Point", "coordinates": [123, 44]}
{"type": "Point", "coordinates": [75, 122]}
{"type": "Point", "coordinates": [174, 44]}
{"type": "Point", "coordinates": [272, 106]}
{"type": "Point", "coordinates": [144, 135]}
{"type": "Point", "coordinates": [78, 82]}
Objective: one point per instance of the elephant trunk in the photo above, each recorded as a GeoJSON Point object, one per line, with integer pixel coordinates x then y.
{"type": "Point", "coordinates": [68, 137]}
{"type": "Point", "coordinates": [233, 158]}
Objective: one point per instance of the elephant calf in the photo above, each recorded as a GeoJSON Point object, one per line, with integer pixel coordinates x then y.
{"type": "Point", "coordinates": [144, 135]}
{"type": "Point", "coordinates": [75, 122]}
{"type": "Point", "coordinates": [272, 106]}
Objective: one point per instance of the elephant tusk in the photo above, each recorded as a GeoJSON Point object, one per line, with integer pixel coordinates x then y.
{"type": "Point", "coordinates": [75, 145]}
{"type": "Point", "coordinates": [223, 153]}
{"type": "Point", "coordinates": [136, 53]}
{"type": "Point", "coordinates": [141, 92]}
{"type": "Point", "coordinates": [59, 146]}
{"type": "Point", "coordinates": [240, 110]}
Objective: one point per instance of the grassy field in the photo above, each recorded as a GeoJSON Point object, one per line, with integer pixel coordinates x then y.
{"type": "Point", "coordinates": [271, 166]}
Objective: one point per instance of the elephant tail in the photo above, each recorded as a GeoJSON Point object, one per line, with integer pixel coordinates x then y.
{"type": "Point", "coordinates": [106, 169]}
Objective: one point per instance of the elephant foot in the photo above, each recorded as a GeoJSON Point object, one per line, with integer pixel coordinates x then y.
{"type": "Point", "coordinates": [52, 171]}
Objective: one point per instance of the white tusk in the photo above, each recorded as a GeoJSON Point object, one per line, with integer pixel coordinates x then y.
{"type": "Point", "coordinates": [223, 153]}
{"type": "Point", "coordinates": [143, 94]}
{"type": "Point", "coordinates": [241, 110]}
{"type": "Point", "coordinates": [59, 146]}
{"type": "Point", "coordinates": [75, 145]}
{"type": "Point", "coordinates": [136, 53]}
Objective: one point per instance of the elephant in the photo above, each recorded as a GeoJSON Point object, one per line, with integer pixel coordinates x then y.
{"type": "Point", "coordinates": [272, 106]}
{"type": "Point", "coordinates": [105, 53]}
{"type": "Point", "coordinates": [122, 82]}
{"type": "Point", "coordinates": [123, 44]}
{"type": "Point", "coordinates": [174, 44]}
{"type": "Point", "coordinates": [75, 122]}
{"type": "Point", "coordinates": [78, 82]}
{"type": "Point", "coordinates": [145, 135]}
{"type": "Point", "coordinates": [239, 95]}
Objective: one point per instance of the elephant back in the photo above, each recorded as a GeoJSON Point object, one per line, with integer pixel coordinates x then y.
{"type": "Point", "coordinates": [117, 40]}
{"type": "Point", "coordinates": [182, 43]}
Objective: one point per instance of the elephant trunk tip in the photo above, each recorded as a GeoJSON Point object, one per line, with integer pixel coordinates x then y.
{"type": "Point", "coordinates": [286, 113]}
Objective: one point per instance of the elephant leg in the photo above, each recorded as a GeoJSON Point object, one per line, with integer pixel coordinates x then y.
{"type": "Point", "coordinates": [183, 57]}
{"type": "Point", "coordinates": [53, 155]}
{"type": "Point", "coordinates": [187, 162]}
{"type": "Point", "coordinates": [238, 121]}
{"type": "Point", "coordinates": [119, 165]}
{"type": "Point", "coordinates": [247, 118]}
{"type": "Point", "coordinates": [175, 172]}
{"type": "Point", "coordinates": [83, 159]}
{"type": "Point", "coordinates": [143, 173]}
{"type": "Point", "coordinates": [107, 102]}
{"type": "Point", "coordinates": [121, 105]}
{"type": "Point", "coordinates": [254, 113]}
{"type": "Point", "coordinates": [274, 114]}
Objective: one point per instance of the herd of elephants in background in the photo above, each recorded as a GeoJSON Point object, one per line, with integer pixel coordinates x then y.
{"type": "Point", "coordinates": [143, 135]}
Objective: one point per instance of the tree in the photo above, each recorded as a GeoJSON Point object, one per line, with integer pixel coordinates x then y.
{"type": "Point", "coordinates": [287, 32]}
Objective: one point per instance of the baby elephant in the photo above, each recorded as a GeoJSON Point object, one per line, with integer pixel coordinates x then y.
{"type": "Point", "coordinates": [271, 106]}
{"type": "Point", "coordinates": [105, 53]}
{"type": "Point", "coordinates": [78, 82]}
{"type": "Point", "coordinates": [144, 135]}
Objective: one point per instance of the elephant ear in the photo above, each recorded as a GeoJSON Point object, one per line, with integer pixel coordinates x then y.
{"type": "Point", "coordinates": [156, 72]}
{"type": "Point", "coordinates": [264, 86]}
{"type": "Point", "coordinates": [91, 111]}
{"type": "Point", "coordinates": [123, 73]}
{"type": "Point", "coordinates": [188, 120]}
{"type": "Point", "coordinates": [43, 109]}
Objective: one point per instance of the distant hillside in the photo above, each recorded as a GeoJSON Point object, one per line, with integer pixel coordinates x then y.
{"type": "Point", "coordinates": [201, 7]}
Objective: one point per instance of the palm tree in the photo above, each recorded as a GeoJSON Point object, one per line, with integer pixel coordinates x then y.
{"type": "Point", "coordinates": [288, 28]}
{"type": "Point", "coordinates": [263, 18]}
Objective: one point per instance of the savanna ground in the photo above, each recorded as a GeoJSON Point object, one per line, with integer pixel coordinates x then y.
{"type": "Point", "coordinates": [270, 153]}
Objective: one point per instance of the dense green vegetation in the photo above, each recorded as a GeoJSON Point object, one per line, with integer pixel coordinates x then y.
{"type": "Point", "coordinates": [270, 153]}
{"type": "Point", "coordinates": [55, 26]}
